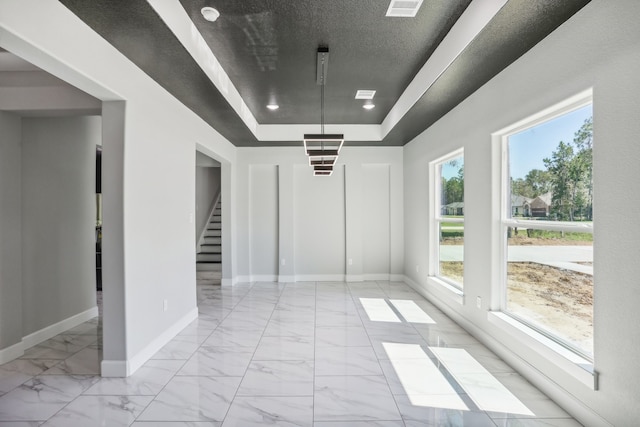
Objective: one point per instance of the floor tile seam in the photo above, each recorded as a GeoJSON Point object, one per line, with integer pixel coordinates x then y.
{"type": "Point", "coordinates": [315, 325]}
{"type": "Point", "coordinates": [337, 420]}
{"type": "Point", "coordinates": [214, 329]}
{"type": "Point", "coordinates": [352, 420]}
{"type": "Point", "coordinates": [275, 395]}
{"type": "Point", "coordinates": [185, 376]}
{"type": "Point", "coordinates": [379, 365]}
{"type": "Point", "coordinates": [22, 383]}
{"type": "Point", "coordinates": [84, 393]}
{"type": "Point", "coordinates": [352, 376]}
{"type": "Point", "coordinates": [51, 348]}
{"type": "Point", "coordinates": [148, 404]}
{"type": "Point", "coordinates": [235, 394]}
{"type": "Point", "coordinates": [449, 377]}
{"type": "Point", "coordinates": [66, 404]}
{"type": "Point", "coordinates": [509, 416]}
{"type": "Point", "coordinates": [167, 383]}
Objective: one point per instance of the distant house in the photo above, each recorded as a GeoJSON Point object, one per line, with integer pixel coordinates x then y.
{"type": "Point", "coordinates": [540, 205]}
{"type": "Point", "coordinates": [455, 208]}
{"type": "Point", "coordinates": [520, 205]}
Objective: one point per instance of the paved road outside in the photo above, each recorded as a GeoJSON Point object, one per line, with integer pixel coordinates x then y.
{"type": "Point", "coordinates": [565, 257]}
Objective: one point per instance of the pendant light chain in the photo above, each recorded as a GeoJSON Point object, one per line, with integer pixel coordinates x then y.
{"type": "Point", "coordinates": [322, 106]}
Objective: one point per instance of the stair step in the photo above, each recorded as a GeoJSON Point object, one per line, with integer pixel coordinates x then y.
{"type": "Point", "coordinates": [210, 249]}
{"type": "Point", "coordinates": [209, 266]}
{"type": "Point", "coordinates": [212, 233]}
{"type": "Point", "coordinates": [208, 257]}
{"type": "Point", "coordinates": [212, 240]}
{"type": "Point", "coordinates": [214, 226]}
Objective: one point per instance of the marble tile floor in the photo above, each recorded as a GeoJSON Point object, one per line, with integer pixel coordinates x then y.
{"type": "Point", "coordinates": [321, 354]}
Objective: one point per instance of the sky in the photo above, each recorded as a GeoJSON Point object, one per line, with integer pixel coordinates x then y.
{"type": "Point", "coordinates": [529, 147]}
{"type": "Point", "coordinates": [449, 170]}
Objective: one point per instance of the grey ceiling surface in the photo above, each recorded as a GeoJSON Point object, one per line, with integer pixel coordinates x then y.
{"type": "Point", "coordinates": [268, 49]}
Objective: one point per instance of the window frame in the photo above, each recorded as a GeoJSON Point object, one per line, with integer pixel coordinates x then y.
{"type": "Point", "coordinates": [435, 172]}
{"type": "Point", "coordinates": [506, 220]}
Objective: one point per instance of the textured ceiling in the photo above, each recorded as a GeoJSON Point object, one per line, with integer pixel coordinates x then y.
{"type": "Point", "coordinates": [268, 49]}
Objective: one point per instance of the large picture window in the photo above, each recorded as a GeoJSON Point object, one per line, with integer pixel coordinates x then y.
{"type": "Point", "coordinates": [448, 219]}
{"type": "Point", "coordinates": [548, 225]}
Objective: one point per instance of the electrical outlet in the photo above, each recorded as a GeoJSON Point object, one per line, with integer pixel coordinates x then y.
{"type": "Point", "coordinates": [165, 305]}
{"type": "Point", "coordinates": [283, 261]}
{"type": "Point", "coordinates": [417, 269]}
{"type": "Point", "coordinates": [479, 302]}
{"type": "Point", "coordinates": [350, 261]}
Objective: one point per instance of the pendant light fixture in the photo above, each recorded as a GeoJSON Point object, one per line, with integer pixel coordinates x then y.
{"type": "Point", "coordinates": [322, 149]}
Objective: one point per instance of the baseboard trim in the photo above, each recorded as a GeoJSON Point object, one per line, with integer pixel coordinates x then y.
{"type": "Point", "coordinates": [396, 277]}
{"type": "Point", "coordinates": [12, 352]}
{"type": "Point", "coordinates": [57, 328]}
{"type": "Point", "coordinates": [16, 350]}
{"type": "Point", "coordinates": [156, 344]}
{"type": "Point", "coordinates": [313, 278]}
{"type": "Point", "coordinates": [114, 368]}
{"type": "Point", "coordinates": [377, 276]}
{"type": "Point", "coordinates": [265, 278]}
{"type": "Point", "coordinates": [556, 392]}
{"type": "Point", "coordinates": [320, 278]}
{"type": "Point", "coordinates": [228, 282]}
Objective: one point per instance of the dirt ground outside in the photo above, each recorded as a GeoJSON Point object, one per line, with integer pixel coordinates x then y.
{"type": "Point", "coordinates": [554, 299]}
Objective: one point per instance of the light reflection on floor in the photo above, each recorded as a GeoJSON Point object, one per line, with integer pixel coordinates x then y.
{"type": "Point", "coordinates": [484, 388]}
{"type": "Point", "coordinates": [378, 310]}
{"type": "Point", "coordinates": [411, 312]}
{"type": "Point", "coordinates": [305, 354]}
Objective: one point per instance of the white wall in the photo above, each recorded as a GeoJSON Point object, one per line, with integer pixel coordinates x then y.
{"type": "Point", "coordinates": [319, 227]}
{"type": "Point", "coordinates": [316, 224]}
{"type": "Point", "coordinates": [10, 230]}
{"type": "Point", "coordinates": [263, 217]}
{"type": "Point", "coordinates": [376, 208]}
{"type": "Point", "coordinates": [58, 219]}
{"type": "Point", "coordinates": [152, 233]}
{"type": "Point", "coordinates": [599, 48]}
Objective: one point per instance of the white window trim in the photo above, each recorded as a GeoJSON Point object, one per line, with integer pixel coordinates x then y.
{"type": "Point", "coordinates": [568, 361]}
{"type": "Point", "coordinates": [553, 348]}
{"type": "Point", "coordinates": [453, 288]}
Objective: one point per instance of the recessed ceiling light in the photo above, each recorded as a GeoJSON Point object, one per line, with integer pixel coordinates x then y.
{"type": "Point", "coordinates": [365, 94]}
{"type": "Point", "coordinates": [273, 107]}
{"type": "Point", "coordinates": [368, 106]}
{"type": "Point", "coordinates": [404, 8]}
{"type": "Point", "coordinates": [210, 14]}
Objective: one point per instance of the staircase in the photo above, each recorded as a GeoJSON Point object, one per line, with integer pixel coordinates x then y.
{"type": "Point", "coordinates": [209, 256]}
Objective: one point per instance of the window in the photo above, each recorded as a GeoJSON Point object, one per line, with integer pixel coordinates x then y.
{"type": "Point", "coordinates": [547, 224]}
{"type": "Point", "coordinates": [447, 243]}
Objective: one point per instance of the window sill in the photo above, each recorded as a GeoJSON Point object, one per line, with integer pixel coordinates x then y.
{"type": "Point", "coordinates": [447, 290]}
{"type": "Point", "coordinates": [578, 367]}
